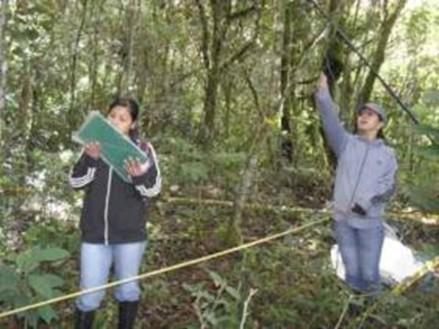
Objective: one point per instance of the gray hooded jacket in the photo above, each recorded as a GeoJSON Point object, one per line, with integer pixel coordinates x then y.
{"type": "Point", "coordinates": [365, 170]}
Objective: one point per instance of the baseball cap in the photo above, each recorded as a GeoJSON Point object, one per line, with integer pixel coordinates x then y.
{"type": "Point", "coordinates": [376, 108]}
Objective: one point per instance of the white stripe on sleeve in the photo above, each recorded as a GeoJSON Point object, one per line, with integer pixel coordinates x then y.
{"type": "Point", "coordinates": [156, 188]}
{"type": "Point", "coordinates": [77, 182]}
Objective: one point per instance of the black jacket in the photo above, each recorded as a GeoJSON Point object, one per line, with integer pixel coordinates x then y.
{"type": "Point", "coordinates": [114, 211]}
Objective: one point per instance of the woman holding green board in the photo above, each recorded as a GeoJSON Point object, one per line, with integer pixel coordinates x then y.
{"type": "Point", "coordinates": [113, 230]}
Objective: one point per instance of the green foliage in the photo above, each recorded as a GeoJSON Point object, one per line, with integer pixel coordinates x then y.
{"type": "Point", "coordinates": [413, 311]}
{"type": "Point", "coordinates": [53, 233]}
{"type": "Point", "coordinates": [184, 164]}
{"type": "Point", "coordinates": [428, 251]}
{"type": "Point", "coordinates": [226, 167]}
{"type": "Point", "coordinates": [218, 308]}
{"type": "Point", "coordinates": [425, 192]}
{"type": "Point", "coordinates": [65, 58]}
{"type": "Point", "coordinates": [187, 164]}
{"type": "Point", "coordinates": [27, 279]}
{"type": "Point", "coordinates": [293, 285]}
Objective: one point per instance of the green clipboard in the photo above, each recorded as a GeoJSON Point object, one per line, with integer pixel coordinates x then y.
{"type": "Point", "coordinates": [116, 147]}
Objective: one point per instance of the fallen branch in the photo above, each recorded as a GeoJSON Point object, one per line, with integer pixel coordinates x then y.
{"type": "Point", "coordinates": [245, 312]}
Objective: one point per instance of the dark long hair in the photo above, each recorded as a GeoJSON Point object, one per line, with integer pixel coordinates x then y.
{"type": "Point", "coordinates": [133, 108]}
{"type": "Point", "coordinates": [380, 134]}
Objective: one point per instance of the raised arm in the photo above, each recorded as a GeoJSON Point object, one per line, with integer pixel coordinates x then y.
{"type": "Point", "coordinates": [334, 131]}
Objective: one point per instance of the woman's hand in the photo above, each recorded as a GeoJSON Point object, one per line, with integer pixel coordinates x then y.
{"type": "Point", "coordinates": [135, 168]}
{"type": "Point", "coordinates": [322, 84]}
{"type": "Point", "coordinates": [93, 150]}
{"type": "Point", "coordinates": [356, 208]}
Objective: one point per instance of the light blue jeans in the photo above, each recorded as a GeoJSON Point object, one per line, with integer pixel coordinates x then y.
{"type": "Point", "coordinates": [360, 251]}
{"type": "Point", "coordinates": [96, 262]}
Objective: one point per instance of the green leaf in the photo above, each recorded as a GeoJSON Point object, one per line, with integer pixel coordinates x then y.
{"type": "Point", "coordinates": [47, 313]}
{"type": "Point", "coordinates": [26, 262]}
{"type": "Point", "coordinates": [431, 97]}
{"type": "Point", "coordinates": [193, 289]}
{"type": "Point", "coordinates": [9, 296]}
{"type": "Point", "coordinates": [211, 317]}
{"type": "Point", "coordinates": [217, 279]}
{"type": "Point", "coordinates": [32, 318]}
{"type": "Point", "coordinates": [430, 152]}
{"type": "Point", "coordinates": [30, 259]}
{"type": "Point", "coordinates": [428, 130]}
{"type": "Point", "coordinates": [233, 292]}
{"type": "Point", "coordinates": [55, 280]}
{"type": "Point", "coordinates": [50, 254]}
{"type": "Point", "coordinates": [8, 278]}
{"type": "Point", "coordinates": [230, 160]}
{"type": "Point", "coordinates": [194, 172]}
{"type": "Point", "coordinates": [43, 284]}
{"type": "Point", "coordinates": [425, 197]}
{"type": "Point", "coordinates": [429, 250]}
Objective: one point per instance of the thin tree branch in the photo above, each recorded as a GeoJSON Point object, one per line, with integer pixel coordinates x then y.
{"type": "Point", "coordinates": [3, 65]}
{"type": "Point", "coordinates": [242, 13]}
{"type": "Point", "coordinates": [205, 34]}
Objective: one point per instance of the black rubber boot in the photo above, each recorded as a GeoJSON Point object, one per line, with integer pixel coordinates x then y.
{"type": "Point", "coordinates": [127, 314]}
{"type": "Point", "coordinates": [84, 320]}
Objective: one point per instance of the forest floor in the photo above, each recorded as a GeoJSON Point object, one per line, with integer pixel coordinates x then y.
{"type": "Point", "coordinates": [287, 283]}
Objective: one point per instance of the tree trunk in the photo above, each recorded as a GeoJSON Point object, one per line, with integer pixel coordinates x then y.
{"type": "Point", "coordinates": [211, 52]}
{"type": "Point", "coordinates": [127, 65]}
{"type": "Point", "coordinates": [94, 61]}
{"type": "Point", "coordinates": [33, 123]}
{"type": "Point", "coordinates": [285, 70]}
{"type": "Point", "coordinates": [3, 66]}
{"type": "Point", "coordinates": [234, 235]}
{"type": "Point", "coordinates": [73, 115]}
{"type": "Point", "coordinates": [227, 88]}
{"type": "Point", "coordinates": [25, 101]}
{"type": "Point", "coordinates": [379, 56]}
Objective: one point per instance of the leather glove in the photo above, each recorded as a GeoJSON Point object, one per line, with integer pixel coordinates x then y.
{"type": "Point", "coordinates": [358, 210]}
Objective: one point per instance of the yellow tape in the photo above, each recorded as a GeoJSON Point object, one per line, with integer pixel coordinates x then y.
{"type": "Point", "coordinates": [165, 269]}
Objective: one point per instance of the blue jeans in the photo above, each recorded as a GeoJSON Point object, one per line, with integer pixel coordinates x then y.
{"type": "Point", "coordinates": [360, 251]}
{"type": "Point", "coordinates": [96, 261]}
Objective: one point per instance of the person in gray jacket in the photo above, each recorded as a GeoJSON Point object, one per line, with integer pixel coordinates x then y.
{"type": "Point", "coordinates": [364, 182]}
